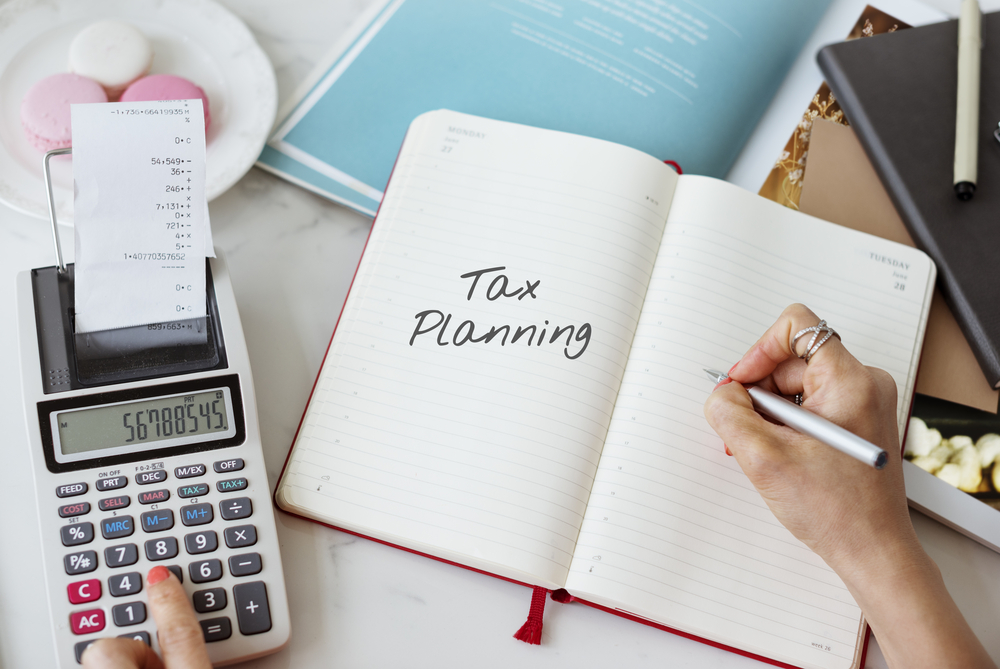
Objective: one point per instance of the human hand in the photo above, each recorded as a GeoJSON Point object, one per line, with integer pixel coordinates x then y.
{"type": "Point", "coordinates": [839, 507]}
{"type": "Point", "coordinates": [855, 517]}
{"type": "Point", "coordinates": [179, 633]}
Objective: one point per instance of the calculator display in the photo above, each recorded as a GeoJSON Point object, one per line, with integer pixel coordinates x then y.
{"type": "Point", "coordinates": [164, 421]}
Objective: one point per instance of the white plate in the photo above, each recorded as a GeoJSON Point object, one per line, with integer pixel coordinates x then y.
{"type": "Point", "coordinates": [196, 39]}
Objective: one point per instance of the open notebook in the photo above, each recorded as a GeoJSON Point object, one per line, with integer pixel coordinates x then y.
{"type": "Point", "coordinates": [515, 383]}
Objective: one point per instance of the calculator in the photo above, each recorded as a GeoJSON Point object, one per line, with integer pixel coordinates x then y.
{"type": "Point", "coordinates": [146, 451]}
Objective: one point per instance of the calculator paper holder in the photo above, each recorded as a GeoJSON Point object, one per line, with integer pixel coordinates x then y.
{"type": "Point", "coordinates": [72, 360]}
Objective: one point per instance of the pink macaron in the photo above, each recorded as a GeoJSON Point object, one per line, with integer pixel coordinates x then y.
{"type": "Point", "coordinates": [45, 112]}
{"type": "Point", "coordinates": [166, 87]}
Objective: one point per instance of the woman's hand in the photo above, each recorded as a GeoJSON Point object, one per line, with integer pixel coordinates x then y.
{"type": "Point", "coordinates": [837, 506]}
{"type": "Point", "coordinates": [854, 516]}
{"type": "Point", "coordinates": [179, 633]}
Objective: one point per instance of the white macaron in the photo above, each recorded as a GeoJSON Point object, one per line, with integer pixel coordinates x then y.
{"type": "Point", "coordinates": [112, 53]}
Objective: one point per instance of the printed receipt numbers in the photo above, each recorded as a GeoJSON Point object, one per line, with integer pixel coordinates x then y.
{"type": "Point", "coordinates": [141, 216]}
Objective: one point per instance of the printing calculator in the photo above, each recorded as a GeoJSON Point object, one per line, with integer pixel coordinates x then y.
{"type": "Point", "coordinates": [146, 451]}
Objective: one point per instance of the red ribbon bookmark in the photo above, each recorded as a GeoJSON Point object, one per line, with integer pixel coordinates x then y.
{"type": "Point", "coordinates": [531, 630]}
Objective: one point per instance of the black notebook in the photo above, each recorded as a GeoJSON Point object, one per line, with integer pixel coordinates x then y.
{"type": "Point", "coordinates": [898, 91]}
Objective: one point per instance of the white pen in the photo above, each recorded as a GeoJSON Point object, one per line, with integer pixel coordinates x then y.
{"type": "Point", "coordinates": [811, 424]}
{"type": "Point", "coordinates": [967, 104]}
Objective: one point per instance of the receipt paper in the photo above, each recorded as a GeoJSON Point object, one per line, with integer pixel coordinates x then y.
{"type": "Point", "coordinates": [140, 213]}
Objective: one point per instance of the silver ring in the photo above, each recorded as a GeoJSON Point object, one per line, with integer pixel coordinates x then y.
{"type": "Point", "coordinates": [798, 398]}
{"type": "Point", "coordinates": [820, 329]}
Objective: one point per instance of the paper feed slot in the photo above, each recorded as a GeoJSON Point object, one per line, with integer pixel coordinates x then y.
{"type": "Point", "coordinates": [72, 360]}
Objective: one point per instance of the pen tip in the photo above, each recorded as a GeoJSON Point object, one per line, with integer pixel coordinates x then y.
{"type": "Point", "coordinates": [715, 375]}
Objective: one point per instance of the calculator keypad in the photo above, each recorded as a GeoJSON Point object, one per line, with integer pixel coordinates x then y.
{"type": "Point", "coordinates": [121, 556]}
{"type": "Point", "coordinates": [246, 601]}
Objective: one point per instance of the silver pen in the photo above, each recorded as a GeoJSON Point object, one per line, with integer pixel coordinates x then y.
{"type": "Point", "coordinates": [811, 424]}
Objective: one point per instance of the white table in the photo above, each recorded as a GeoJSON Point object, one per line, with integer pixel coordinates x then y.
{"type": "Point", "coordinates": [354, 603]}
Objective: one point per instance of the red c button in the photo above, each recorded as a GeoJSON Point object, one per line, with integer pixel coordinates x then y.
{"type": "Point", "coordinates": [85, 622]}
{"type": "Point", "coordinates": [84, 591]}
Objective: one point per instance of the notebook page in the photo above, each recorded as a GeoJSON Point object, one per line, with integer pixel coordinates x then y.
{"type": "Point", "coordinates": [674, 530]}
{"type": "Point", "coordinates": [427, 431]}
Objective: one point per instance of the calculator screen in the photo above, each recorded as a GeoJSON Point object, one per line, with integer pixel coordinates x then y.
{"type": "Point", "coordinates": [164, 421]}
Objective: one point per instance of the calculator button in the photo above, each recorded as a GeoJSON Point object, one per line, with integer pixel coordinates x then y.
{"type": "Point", "coordinates": [205, 571]}
{"type": "Point", "coordinates": [132, 613]}
{"type": "Point", "coordinates": [236, 508]}
{"type": "Point", "coordinates": [78, 509]}
{"type": "Point", "coordinates": [157, 521]}
{"type": "Point", "coordinates": [161, 549]}
{"type": "Point", "coordinates": [122, 585]}
{"type": "Point", "coordinates": [201, 542]}
{"type": "Point", "coordinates": [240, 536]}
{"type": "Point", "coordinates": [71, 490]}
{"type": "Point", "coordinates": [154, 496]}
{"type": "Point", "coordinates": [194, 490]}
{"type": "Point", "coordinates": [231, 485]}
{"type": "Point", "coordinates": [80, 563]}
{"type": "Point", "coordinates": [216, 629]}
{"type": "Point", "coordinates": [244, 565]}
{"type": "Point", "coordinates": [112, 483]}
{"type": "Point", "coordinates": [177, 571]}
{"type": "Point", "coordinates": [76, 534]}
{"type": "Point", "coordinates": [109, 503]}
{"type": "Point", "coordinates": [121, 556]}
{"type": "Point", "coordinates": [117, 527]}
{"type": "Point", "coordinates": [189, 471]}
{"type": "Point", "coordinates": [86, 622]}
{"type": "Point", "coordinates": [82, 592]}
{"type": "Point", "coordinates": [252, 612]}
{"type": "Point", "coordinates": [138, 636]}
{"type": "Point", "coordinates": [155, 476]}
{"type": "Point", "coordinates": [197, 514]}
{"type": "Point", "coordinates": [206, 601]}
{"type": "Point", "coordinates": [80, 647]}
{"type": "Point", "coordinates": [224, 466]}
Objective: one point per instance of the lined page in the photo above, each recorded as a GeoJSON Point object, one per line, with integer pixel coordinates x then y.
{"type": "Point", "coordinates": [674, 530]}
{"type": "Point", "coordinates": [435, 427]}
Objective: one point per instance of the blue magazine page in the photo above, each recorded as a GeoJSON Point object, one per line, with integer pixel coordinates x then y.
{"type": "Point", "coordinates": [682, 80]}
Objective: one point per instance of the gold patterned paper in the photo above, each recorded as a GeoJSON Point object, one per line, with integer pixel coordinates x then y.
{"type": "Point", "coordinates": [784, 183]}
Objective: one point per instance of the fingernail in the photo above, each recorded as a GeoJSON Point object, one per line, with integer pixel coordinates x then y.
{"type": "Point", "coordinates": [721, 383]}
{"type": "Point", "coordinates": [728, 452]}
{"type": "Point", "coordinates": [157, 574]}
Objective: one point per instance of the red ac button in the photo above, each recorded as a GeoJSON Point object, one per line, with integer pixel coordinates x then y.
{"type": "Point", "coordinates": [84, 591]}
{"type": "Point", "coordinates": [85, 622]}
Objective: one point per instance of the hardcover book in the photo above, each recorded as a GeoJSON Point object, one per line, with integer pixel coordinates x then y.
{"type": "Point", "coordinates": [516, 382]}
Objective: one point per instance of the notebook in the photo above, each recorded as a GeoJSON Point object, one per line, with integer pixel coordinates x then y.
{"type": "Point", "coordinates": [898, 92]}
{"type": "Point", "coordinates": [682, 81]}
{"type": "Point", "coordinates": [515, 383]}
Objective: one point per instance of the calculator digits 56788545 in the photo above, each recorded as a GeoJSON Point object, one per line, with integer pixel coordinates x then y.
{"type": "Point", "coordinates": [146, 451]}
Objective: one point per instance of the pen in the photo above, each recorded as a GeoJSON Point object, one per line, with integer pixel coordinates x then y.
{"type": "Point", "coordinates": [811, 424]}
{"type": "Point", "coordinates": [967, 105]}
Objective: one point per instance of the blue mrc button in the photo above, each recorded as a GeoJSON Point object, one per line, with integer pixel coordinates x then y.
{"type": "Point", "coordinates": [115, 528]}
{"type": "Point", "coordinates": [196, 514]}
{"type": "Point", "coordinates": [157, 521]}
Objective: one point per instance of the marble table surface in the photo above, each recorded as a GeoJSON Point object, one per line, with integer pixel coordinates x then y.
{"type": "Point", "coordinates": [354, 603]}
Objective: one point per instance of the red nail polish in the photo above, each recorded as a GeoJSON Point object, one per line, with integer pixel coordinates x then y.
{"type": "Point", "coordinates": [732, 368]}
{"type": "Point", "coordinates": [728, 452]}
{"type": "Point", "coordinates": [721, 383]}
{"type": "Point", "coordinates": [157, 574]}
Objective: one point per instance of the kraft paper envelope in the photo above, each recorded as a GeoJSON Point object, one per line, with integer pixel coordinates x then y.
{"type": "Point", "coordinates": [841, 186]}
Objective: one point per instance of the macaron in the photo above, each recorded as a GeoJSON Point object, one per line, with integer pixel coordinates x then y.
{"type": "Point", "coordinates": [166, 87]}
{"type": "Point", "coordinates": [112, 53]}
{"type": "Point", "coordinates": [45, 113]}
